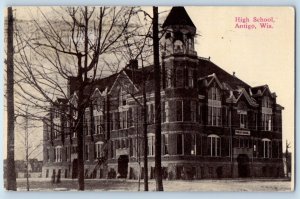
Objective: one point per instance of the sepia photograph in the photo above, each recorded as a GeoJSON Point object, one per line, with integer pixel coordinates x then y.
{"type": "Point", "coordinates": [141, 98]}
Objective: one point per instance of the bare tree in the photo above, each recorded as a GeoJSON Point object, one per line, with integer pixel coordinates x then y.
{"type": "Point", "coordinates": [27, 135]}
{"type": "Point", "coordinates": [69, 43]}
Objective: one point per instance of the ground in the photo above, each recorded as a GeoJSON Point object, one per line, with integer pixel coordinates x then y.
{"type": "Point", "coordinates": [257, 185]}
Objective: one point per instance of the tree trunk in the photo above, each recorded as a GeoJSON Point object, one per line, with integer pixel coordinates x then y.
{"type": "Point", "coordinates": [145, 129]}
{"type": "Point", "coordinates": [27, 149]}
{"type": "Point", "coordinates": [158, 170]}
{"type": "Point", "coordinates": [80, 151]}
{"type": "Point", "coordinates": [79, 131]}
{"type": "Point", "coordinates": [10, 165]}
{"type": "Point", "coordinates": [146, 188]}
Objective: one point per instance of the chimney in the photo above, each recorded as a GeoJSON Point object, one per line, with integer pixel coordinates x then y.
{"type": "Point", "coordinates": [233, 74]}
{"type": "Point", "coordinates": [134, 64]}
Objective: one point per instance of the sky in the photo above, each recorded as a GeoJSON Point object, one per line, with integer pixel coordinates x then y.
{"type": "Point", "coordinates": [257, 56]}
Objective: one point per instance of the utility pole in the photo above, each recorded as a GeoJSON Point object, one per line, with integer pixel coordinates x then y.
{"type": "Point", "coordinates": [158, 170]}
{"type": "Point", "coordinates": [10, 165]}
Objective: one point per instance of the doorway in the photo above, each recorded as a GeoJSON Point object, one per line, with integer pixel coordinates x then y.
{"type": "Point", "coordinates": [123, 166]}
{"type": "Point", "coordinates": [243, 166]}
{"type": "Point", "coordinates": [74, 168]}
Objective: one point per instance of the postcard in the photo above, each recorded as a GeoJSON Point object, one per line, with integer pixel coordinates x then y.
{"type": "Point", "coordinates": [182, 98]}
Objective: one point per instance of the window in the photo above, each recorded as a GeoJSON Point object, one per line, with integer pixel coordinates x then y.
{"type": "Point", "coordinates": [214, 107]}
{"type": "Point", "coordinates": [56, 130]}
{"type": "Point", "coordinates": [56, 113]}
{"type": "Point", "coordinates": [111, 116]}
{"type": "Point", "coordinates": [243, 142]}
{"type": "Point", "coordinates": [66, 153]}
{"type": "Point", "coordinates": [178, 46]}
{"type": "Point", "coordinates": [267, 122]}
{"type": "Point", "coordinates": [267, 147]}
{"type": "Point", "coordinates": [165, 144]}
{"type": "Point", "coordinates": [255, 121]}
{"type": "Point", "coordinates": [116, 121]}
{"type": "Point", "coordinates": [199, 112]}
{"type": "Point", "coordinates": [48, 155]}
{"type": "Point", "coordinates": [86, 152]}
{"type": "Point", "coordinates": [129, 118]}
{"type": "Point", "coordinates": [266, 102]}
{"type": "Point", "coordinates": [243, 119]}
{"type": "Point", "coordinates": [194, 144]}
{"type": "Point", "coordinates": [86, 123]}
{"type": "Point", "coordinates": [180, 144]}
{"type": "Point", "coordinates": [151, 113]}
{"type": "Point", "coordinates": [163, 112]}
{"type": "Point", "coordinates": [130, 147]}
{"type": "Point", "coordinates": [151, 146]}
{"type": "Point", "coordinates": [98, 149]}
{"type": "Point", "coordinates": [190, 78]}
{"type": "Point", "coordinates": [57, 154]}
{"type": "Point", "coordinates": [97, 120]}
{"type": "Point", "coordinates": [169, 78]}
{"type": "Point", "coordinates": [193, 111]}
{"type": "Point", "coordinates": [266, 114]}
{"type": "Point", "coordinates": [179, 110]}
{"type": "Point", "coordinates": [123, 120]}
{"type": "Point", "coordinates": [112, 149]}
{"type": "Point", "coordinates": [214, 145]}
{"type": "Point", "coordinates": [122, 100]}
{"type": "Point", "coordinates": [179, 83]}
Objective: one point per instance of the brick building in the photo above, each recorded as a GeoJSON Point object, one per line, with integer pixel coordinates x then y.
{"type": "Point", "coordinates": [214, 125]}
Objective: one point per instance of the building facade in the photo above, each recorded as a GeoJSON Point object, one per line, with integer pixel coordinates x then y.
{"type": "Point", "coordinates": [214, 125]}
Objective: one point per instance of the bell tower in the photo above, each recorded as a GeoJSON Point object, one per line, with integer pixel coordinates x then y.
{"type": "Point", "coordinates": [179, 57]}
{"type": "Point", "coordinates": [179, 34]}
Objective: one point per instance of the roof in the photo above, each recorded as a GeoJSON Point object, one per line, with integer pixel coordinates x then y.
{"type": "Point", "coordinates": [178, 16]}
{"type": "Point", "coordinates": [100, 83]}
{"type": "Point", "coordinates": [207, 68]}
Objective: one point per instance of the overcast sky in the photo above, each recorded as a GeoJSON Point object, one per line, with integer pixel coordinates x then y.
{"type": "Point", "coordinates": [257, 56]}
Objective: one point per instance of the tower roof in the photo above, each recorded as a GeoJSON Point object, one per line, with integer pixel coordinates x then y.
{"type": "Point", "coordinates": [178, 16]}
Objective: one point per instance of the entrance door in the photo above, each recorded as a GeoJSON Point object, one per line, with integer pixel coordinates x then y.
{"type": "Point", "coordinates": [123, 166]}
{"type": "Point", "coordinates": [243, 166]}
{"type": "Point", "coordinates": [74, 168]}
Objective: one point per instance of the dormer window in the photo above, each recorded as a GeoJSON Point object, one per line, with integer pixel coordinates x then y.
{"type": "Point", "coordinates": [266, 102]}
{"type": "Point", "coordinates": [266, 114]}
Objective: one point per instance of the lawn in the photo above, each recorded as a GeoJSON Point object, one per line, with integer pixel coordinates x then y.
{"type": "Point", "coordinates": [258, 185]}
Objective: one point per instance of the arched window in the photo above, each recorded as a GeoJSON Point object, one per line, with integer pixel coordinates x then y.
{"type": "Point", "coordinates": [266, 147]}
{"type": "Point", "coordinates": [214, 107]}
{"type": "Point", "coordinates": [178, 46]}
{"type": "Point", "coordinates": [214, 145]}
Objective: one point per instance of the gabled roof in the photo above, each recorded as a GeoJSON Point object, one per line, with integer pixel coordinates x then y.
{"type": "Point", "coordinates": [207, 67]}
{"type": "Point", "coordinates": [260, 90]}
{"type": "Point", "coordinates": [62, 100]}
{"type": "Point", "coordinates": [178, 16]}
{"type": "Point", "coordinates": [100, 83]}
